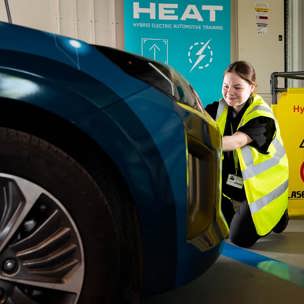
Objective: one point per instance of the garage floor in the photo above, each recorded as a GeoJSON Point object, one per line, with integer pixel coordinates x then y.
{"type": "Point", "coordinates": [270, 272]}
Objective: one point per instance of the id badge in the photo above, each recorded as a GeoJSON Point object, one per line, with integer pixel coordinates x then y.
{"type": "Point", "coordinates": [235, 181]}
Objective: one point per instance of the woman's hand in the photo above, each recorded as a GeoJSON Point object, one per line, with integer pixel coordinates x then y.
{"type": "Point", "coordinates": [237, 140]}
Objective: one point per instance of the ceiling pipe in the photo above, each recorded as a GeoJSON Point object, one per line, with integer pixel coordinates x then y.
{"type": "Point", "coordinates": [8, 12]}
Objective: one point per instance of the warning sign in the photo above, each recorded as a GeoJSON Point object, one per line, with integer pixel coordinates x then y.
{"type": "Point", "coordinates": [290, 114]}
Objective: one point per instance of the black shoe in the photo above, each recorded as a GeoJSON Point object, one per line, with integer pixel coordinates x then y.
{"type": "Point", "coordinates": [282, 224]}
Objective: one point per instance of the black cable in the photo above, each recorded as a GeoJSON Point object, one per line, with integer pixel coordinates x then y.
{"type": "Point", "coordinates": [8, 12]}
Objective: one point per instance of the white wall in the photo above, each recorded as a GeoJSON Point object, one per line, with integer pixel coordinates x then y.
{"type": "Point", "coordinates": [263, 50]}
{"type": "Point", "coordinates": [3, 15]}
{"type": "Point", "coordinates": [296, 40]}
{"type": "Point", "coordinates": [95, 21]}
{"type": "Point", "coordinates": [101, 22]}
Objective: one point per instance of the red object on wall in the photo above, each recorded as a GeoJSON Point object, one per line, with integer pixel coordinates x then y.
{"type": "Point", "coordinates": [302, 172]}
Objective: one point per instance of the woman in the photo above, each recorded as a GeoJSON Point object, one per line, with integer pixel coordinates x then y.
{"type": "Point", "coordinates": [255, 165]}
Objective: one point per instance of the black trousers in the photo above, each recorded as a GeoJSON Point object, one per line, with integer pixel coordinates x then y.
{"type": "Point", "coordinates": [242, 229]}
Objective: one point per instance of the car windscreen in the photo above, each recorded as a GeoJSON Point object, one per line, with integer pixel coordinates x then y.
{"type": "Point", "coordinates": [156, 74]}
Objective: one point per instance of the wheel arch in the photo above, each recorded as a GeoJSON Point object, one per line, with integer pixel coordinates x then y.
{"type": "Point", "coordinates": [37, 121]}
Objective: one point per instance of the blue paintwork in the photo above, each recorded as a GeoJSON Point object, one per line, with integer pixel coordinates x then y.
{"type": "Point", "coordinates": [58, 48]}
{"type": "Point", "coordinates": [138, 126]}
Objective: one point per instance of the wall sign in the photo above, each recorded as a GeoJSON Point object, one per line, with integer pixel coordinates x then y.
{"type": "Point", "coordinates": [262, 17]}
{"type": "Point", "coordinates": [193, 37]}
{"type": "Point", "coordinates": [290, 114]}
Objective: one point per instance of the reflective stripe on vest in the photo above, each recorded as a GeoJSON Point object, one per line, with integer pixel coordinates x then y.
{"type": "Point", "coordinates": [262, 202]}
{"type": "Point", "coordinates": [252, 169]}
{"type": "Point", "coordinates": [267, 197]}
{"type": "Point", "coordinates": [221, 115]}
{"type": "Point", "coordinates": [220, 109]}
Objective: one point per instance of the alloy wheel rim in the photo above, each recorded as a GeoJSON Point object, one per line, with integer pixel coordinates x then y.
{"type": "Point", "coordinates": [41, 251]}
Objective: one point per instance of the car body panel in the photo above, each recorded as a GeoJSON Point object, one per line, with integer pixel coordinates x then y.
{"type": "Point", "coordinates": [143, 131]}
{"type": "Point", "coordinates": [74, 53]}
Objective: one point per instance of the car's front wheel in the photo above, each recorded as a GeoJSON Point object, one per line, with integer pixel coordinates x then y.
{"type": "Point", "coordinates": [57, 237]}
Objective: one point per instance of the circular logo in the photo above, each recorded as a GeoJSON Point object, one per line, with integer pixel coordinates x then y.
{"type": "Point", "coordinates": [302, 171]}
{"type": "Point", "coordinates": [200, 55]}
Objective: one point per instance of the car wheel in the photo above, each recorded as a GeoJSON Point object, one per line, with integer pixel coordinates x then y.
{"type": "Point", "coordinates": [57, 238]}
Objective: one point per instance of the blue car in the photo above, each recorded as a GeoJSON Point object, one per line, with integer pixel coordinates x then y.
{"type": "Point", "coordinates": [110, 174]}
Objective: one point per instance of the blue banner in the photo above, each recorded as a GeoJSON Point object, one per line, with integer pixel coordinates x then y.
{"type": "Point", "coordinates": [193, 37]}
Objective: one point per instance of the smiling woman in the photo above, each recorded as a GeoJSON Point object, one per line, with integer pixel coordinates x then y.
{"type": "Point", "coordinates": [255, 165]}
{"type": "Point", "coordinates": [236, 90]}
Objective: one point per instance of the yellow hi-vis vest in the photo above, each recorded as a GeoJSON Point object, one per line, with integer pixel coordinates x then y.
{"type": "Point", "coordinates": [265, 176]}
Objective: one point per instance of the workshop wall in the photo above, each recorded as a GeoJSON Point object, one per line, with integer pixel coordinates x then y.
{"type": "Point", "coordinates": [95, 21]}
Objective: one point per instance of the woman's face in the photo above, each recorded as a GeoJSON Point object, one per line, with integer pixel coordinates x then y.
{"type": "Point", "coordinates": [236, 90]}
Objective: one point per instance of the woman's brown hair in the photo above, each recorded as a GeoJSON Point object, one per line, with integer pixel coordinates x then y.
{"type": "Point", "coordinates": [244, 70]}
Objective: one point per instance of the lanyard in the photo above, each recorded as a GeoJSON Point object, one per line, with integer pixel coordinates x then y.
{"type": "Point", "coordinates": [234, 153]}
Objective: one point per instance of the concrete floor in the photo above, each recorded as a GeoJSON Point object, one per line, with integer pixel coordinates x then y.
{"type": "Point", "coordinates": [270, 272]}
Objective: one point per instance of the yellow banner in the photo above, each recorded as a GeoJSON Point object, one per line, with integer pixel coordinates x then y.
{"type": "Point", "coordinates": [290, 114]}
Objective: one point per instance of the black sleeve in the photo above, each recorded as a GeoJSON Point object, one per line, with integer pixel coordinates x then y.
{"type": "Point", "coordinates": [261, 130]}
{"type": "Point", "coordinates": [212, 109]}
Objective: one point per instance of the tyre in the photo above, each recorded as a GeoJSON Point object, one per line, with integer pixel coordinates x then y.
{"type": "Point", "coordinates": [58, 242]}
